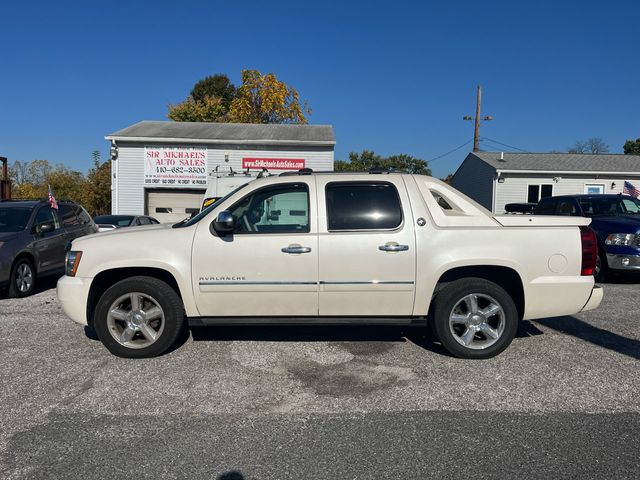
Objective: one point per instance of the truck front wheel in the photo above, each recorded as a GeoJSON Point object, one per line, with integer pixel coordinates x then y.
{"type": "Point", "coordinates": [474, 318]}
{"type": "Point", "coordinates": [139, 317]}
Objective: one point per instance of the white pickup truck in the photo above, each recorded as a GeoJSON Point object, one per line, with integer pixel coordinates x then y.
{"type": "Point", "coordinates": [323, 248]}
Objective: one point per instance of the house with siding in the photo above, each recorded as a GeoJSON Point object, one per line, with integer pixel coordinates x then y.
{"type": "Point", "coordinates": [495, 179]}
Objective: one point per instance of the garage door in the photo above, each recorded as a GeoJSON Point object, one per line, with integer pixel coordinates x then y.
{"type": "Point", "coordinates": [170, 206]}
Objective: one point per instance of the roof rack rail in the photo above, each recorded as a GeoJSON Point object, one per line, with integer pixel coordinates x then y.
{"type": "Point", "coordinates": [302, 171]}
{"type": "Point", "coordinates": [371, 171]}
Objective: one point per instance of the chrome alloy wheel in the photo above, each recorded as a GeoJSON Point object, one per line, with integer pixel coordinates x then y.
{"type": "Point", "coordinates": [135, 320]}
{"type": "Point", "coordinates": [477, 321]}
{"type": "Point", "coordinates": [24, 278]}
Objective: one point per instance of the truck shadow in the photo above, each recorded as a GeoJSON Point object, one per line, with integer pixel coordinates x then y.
{"type": "Point", "coordinates": [627, 278]}
{"type": "Point", "coordinates": [595, 335]}
{"type": "Point", "coordinates": [419, 336]}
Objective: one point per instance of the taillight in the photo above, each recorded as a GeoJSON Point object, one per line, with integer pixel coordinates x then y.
{"type": "Point", "coordinates": [589, 250]}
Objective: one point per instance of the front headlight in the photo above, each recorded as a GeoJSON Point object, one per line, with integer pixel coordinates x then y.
{"type": "Point", "coordinates": [622, 239]}
{"type": "Point", "coordinates": [71, 262]}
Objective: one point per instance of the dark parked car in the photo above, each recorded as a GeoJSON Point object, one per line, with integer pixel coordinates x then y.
{"type": "Point", "coordinates": [616, 221]}
{"type": "Point", "coordinates": [33, 237]}
{"type": "Point", "coordinates": [111, 222]}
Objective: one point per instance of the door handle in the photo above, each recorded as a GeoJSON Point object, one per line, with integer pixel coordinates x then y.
{"type": "Point", "coordinates": [295, 248]}
{"type": "Point", "coordinates": [393, 247]}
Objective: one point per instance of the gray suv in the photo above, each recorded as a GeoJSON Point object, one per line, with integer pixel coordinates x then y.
{"type": "Point", "coordinates": [33, 237]}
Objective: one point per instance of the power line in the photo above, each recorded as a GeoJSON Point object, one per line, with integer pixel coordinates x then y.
{"type": "Point", "coordinates": [450, 151]}
{"type": "Point", "coordinates": [504, 144]}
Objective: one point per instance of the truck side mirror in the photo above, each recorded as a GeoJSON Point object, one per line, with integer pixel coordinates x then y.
{"type": "Point", "coordinates": [224, 223]}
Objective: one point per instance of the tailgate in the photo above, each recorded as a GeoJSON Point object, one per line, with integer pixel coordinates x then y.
{"type": "Point", "coordinates": [541, 221]}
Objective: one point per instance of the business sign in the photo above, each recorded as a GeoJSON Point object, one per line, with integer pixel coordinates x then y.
{"type": "Point", "coordinates": [273, 163]}
{"type": "Point", "coordinates": [175, 166]}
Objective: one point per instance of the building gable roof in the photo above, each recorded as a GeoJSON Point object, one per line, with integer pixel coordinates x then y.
{"type": "Point", "coordinates": [561, 162]}
{"type": "Point", "coordinates": [209, 132]}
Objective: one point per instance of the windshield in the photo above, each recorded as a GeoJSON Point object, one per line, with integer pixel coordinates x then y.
{"type": "Point", "coordinates": [14, 219]}
{"type": "Point", "coordinates": [113, 220]}
{"type": "Point", "coordinates": [610, 206]}
{"type": "Point", "coordinates": [206, 211]}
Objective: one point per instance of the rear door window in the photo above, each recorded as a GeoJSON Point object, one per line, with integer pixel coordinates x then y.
{"type": "Point", "coordinates": [67, 215]}
{"type": "Point", "coordinates": [566, 207]}
{"type": "Point", "coordinates": [546, 207]}
{"type": "Point", "coordinates": [631, 206]}
{"type": "Point", "coordinates": [362, 206]}
{"type": "Point", "coordinates": [83, 216]}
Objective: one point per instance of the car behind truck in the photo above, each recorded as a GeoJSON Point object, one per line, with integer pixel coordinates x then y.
{"type": "Point", "coordinates": [616, 221]}
{"type": "Point", "coordinates": [316, 248]}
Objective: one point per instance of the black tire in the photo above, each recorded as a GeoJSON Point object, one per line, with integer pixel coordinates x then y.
{"type": "Point", "coordinates": [504, 324]}
{"type": "Point", "coordinates": [601, 272]}
{"type": "Point", "coordinates": [165, 297]}
{"type": "Point", "coordinates": [17, 270]}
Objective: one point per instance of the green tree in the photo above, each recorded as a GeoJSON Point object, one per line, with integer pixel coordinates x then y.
{"type": "Point", "coordinates": [632, 147]}
{"type": "Point", "coordinates": [368, 160]}
{"type": "Point", "coordinates": [591, 145]}
{"type": "Point", "coordinates": [214, 86]}
{"type": "Point", "coordinates": [265, 99]}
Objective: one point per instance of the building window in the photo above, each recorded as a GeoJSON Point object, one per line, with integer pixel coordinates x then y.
{"type": "Point", "coordinates": [537, 192]}
{"type": "Point", "coordinates": [594, 189]}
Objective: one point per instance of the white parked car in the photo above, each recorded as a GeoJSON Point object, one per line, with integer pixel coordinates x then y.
{"type": "Point", "coordinates": [311, 248]}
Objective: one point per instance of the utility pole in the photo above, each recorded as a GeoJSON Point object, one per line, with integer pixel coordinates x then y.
{"type": "Point", "coordinates": [476, 131]}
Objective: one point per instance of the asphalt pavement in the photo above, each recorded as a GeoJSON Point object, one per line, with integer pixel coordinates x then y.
{"type": "Point", "coordinates": [321, 402]}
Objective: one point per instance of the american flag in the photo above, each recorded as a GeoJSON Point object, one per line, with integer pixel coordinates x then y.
{"type": "Point", "coordinates": [629, 189]}
{"type": "Point", "coordinates": [52, 199]}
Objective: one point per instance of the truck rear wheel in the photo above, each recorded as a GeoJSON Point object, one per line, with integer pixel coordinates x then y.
{"type": "Point", "coordinates": [139, 317]}
{"type": "Point", "coordinates": [474, 318]}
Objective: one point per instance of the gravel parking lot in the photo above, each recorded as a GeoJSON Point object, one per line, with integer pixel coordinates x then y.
{"type": "Point", "coordinates": [321, 402]}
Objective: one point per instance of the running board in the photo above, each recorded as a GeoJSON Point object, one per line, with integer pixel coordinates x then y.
{"type": "Point", "coordinates": [209, 321]}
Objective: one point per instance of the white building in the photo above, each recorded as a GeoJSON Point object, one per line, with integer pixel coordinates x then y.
{"type": "Point", "coordinates": [495, 179]}
{"type": "Point", "coordinates": [162, 169]}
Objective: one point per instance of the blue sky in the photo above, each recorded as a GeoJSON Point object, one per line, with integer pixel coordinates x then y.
{"type": "Point", "coordinates": [393, 77]}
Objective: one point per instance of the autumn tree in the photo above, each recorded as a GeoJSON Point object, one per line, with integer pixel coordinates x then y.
{"type": "Point", "coordinates": [368, 160]}
{"type": "Point", "coordinates": [67, 184]}
{"type": "Point", "coordinates": [632, 147]}
{"type": "Point", "coordinates": [31, 180]}
{"type": "Point", "coordinates": [591, 145]}
{"type": "Point", "coordinates": [209, 109]}
{"type": "Point", "coordinates": [265, 99]}
{"type": "Point", "coordinates": [260, 99]}
{"type": "Point", "coordinates": [448, 178]}
{"type": "Point", "coordinates": [99, 184]}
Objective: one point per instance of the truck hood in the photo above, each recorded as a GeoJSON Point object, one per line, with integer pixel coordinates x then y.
{"type": "Point", "coordinates": [617, 224]}
{"type": "Point", "coordinates": [541, 221]}
{"type": "Point", "coordinates": [127, 234]}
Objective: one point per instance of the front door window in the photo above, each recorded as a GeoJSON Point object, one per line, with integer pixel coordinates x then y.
{"type": "Point", "coordinates": [281, 209]}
